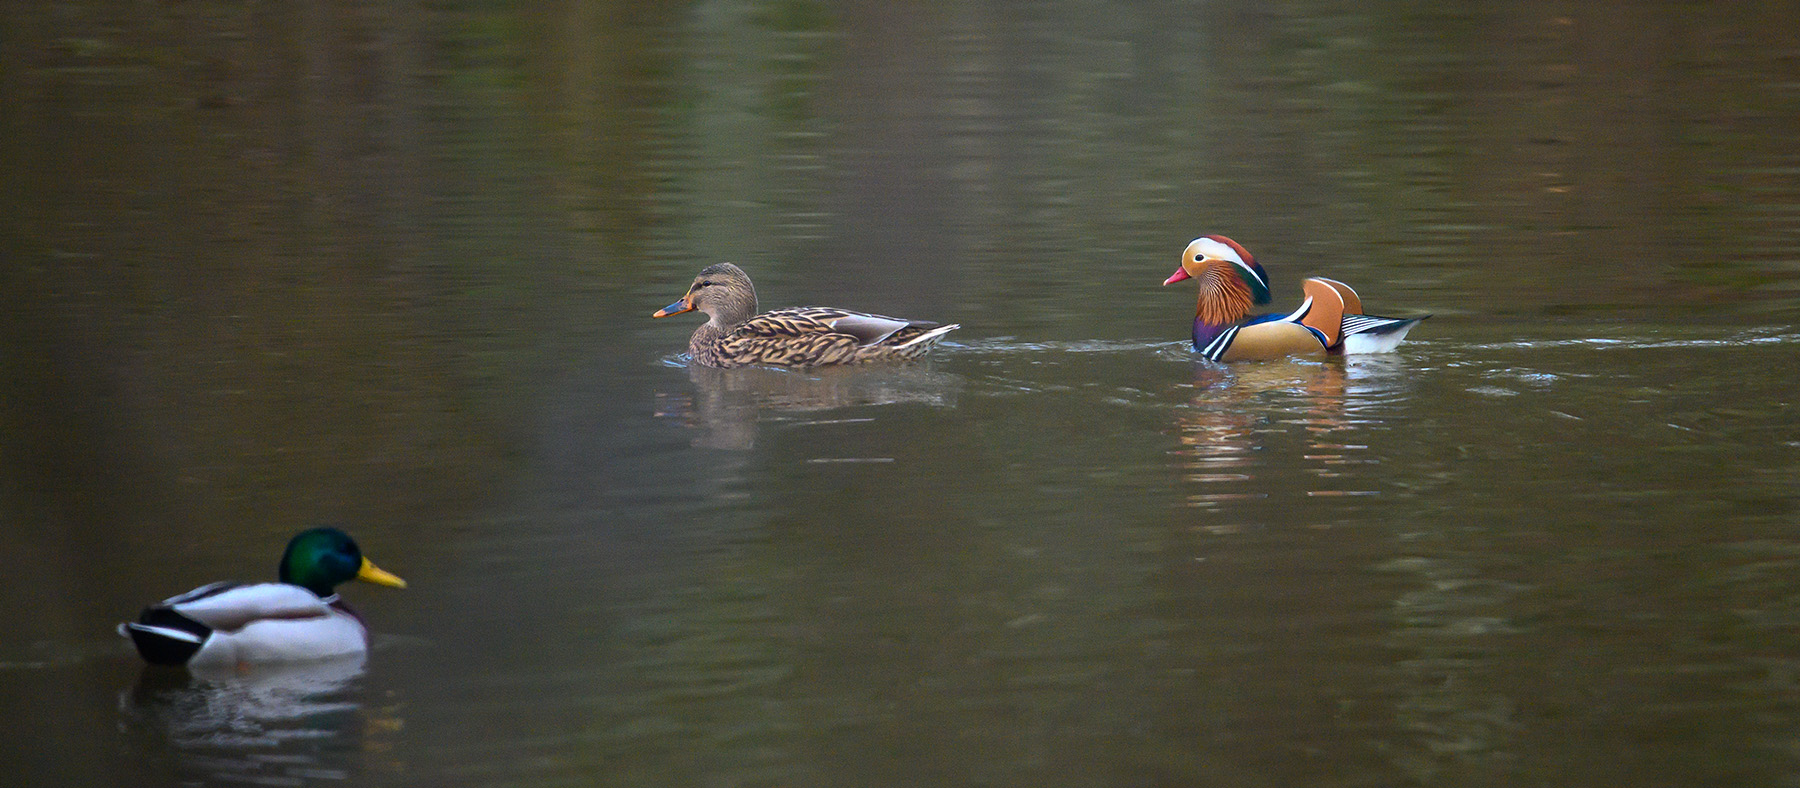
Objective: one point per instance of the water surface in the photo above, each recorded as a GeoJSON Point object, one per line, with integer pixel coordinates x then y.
{"type": "Point", "coordinates": [269, 266]}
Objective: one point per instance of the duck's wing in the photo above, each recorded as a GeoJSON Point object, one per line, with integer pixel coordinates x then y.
{"type": "Point", "coordinates": [230, 606]}
{"type": "Point", "coordinates": [175, 630]}
{"type": "Point", "coordinates": [1325, 307]}
{"type": "Point", "coordinates": [1352, 302]}
{"type": "Point", "coordinates": [865, 328]}
{"type": "Point", "coordinates": [868, 329]}
{"type": "Point", "coordinates": [810, 336]}
{"type": "Point", "coordinates": [790, 322]}
{"type": "Point", "coordinates": [1337, 315]}
{"type": "Point", "coordinates": [795, 337]}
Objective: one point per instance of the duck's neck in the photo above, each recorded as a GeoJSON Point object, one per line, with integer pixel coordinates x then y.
{"type": "Point", "coordinates": [722, 316]}
{"type": "Point", "coordinates": [1224, 298]}
{"type": "Point", "coordinates": [1224, 302]}
{"type": "Point", "coordinates": [703, 345]}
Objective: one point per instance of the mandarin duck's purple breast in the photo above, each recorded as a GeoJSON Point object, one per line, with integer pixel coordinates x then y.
{"type": "Point", "coordinates": [1205, 333]}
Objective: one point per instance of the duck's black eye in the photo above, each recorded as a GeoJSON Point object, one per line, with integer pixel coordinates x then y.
{"type": "Point", "coordinates": [1198, 259]}
{"type": "Point", "coordinates": [702, 284]}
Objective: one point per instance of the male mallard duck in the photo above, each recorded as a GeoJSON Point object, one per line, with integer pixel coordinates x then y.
{"type": "Point", "coordinates": [1329, 321]}
{"type": "Point", "coordinates": [299, 618]}
{"type": "Point", "coordinates": [804, 336]}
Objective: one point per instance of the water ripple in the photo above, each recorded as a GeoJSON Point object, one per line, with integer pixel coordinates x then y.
{"type": "Point", "coordinates": [1772, 336]}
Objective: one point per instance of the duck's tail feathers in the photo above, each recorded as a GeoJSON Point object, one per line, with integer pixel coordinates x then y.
{"type": "Point", "coordinates": [165, 637]}
{"type": "Point", "coordinates": [930, 336]}
{"type": "Point", "coordinates": [1376, 334]}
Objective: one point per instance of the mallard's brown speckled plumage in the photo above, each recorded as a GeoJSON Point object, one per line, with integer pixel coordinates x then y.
{"type": "Point", "coordinates": [807, 336]}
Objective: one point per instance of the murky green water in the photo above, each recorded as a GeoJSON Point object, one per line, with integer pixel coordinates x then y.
{"type": "Point", "coordinates": [273, 265]}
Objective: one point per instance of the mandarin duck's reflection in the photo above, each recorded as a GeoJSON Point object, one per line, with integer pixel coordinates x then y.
{"type": "Point", "coordinates": [727, 405]}
{"type": "Point", "coordinates": [285, 724]}
{"type": "Point", "coordinates": [1235, 411]}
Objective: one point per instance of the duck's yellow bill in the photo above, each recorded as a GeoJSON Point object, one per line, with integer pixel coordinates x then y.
{"type": "Point", "coordinates": [675, 309]}
{"type": "Point", "coordinates": [376, 574]}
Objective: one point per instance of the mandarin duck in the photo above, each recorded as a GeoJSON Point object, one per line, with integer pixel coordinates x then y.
{"type": "Point", "coordinates": [806, 336]}
{"type": "Point", "coordinates": [1329, 320]}
{"type": "Point", "coordinates": [233, 624]}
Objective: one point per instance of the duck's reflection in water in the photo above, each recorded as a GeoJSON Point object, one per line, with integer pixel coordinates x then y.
{"type": "Point", "coordinates": [727, 405]}
{"type": "Point", "coordinates": [1299, 432]}
{"type": "Point", "coordinates": [289, 724]}
{"type": "Point", "coordinates": [1238, 410]}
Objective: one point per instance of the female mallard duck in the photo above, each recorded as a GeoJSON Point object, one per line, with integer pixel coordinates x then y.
{"type": "Point", "coordinates": [1329, 321]}
{"type": "Point", "coordinates": [805, 336]}
{"type": "Point", "coordinates": [299, 618]}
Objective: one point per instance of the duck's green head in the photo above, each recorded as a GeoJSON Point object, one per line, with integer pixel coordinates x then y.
{"type": "Point", "coordinates": [321, 558]}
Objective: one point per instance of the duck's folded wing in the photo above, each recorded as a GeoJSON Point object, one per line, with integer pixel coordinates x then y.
{"type": "Point", "coordinates": [229, 606]}
{"type": "Point", "coordinates": [866, 329]}
{"type": "Point", "coordinates": [1352, 302]}
{"type": "Point", "coordinates": [1325, 308]}
{"type": "Point", "coordinates": [792, 322]}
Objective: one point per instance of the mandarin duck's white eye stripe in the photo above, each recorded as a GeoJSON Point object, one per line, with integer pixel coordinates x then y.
{"type": "Point", "coordinates": [1213, 248]}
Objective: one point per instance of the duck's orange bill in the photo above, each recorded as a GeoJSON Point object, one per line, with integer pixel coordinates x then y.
{"type": "Point", "coordinates": [376, 574]}
{"type": "Point", "coordinates": [1180, 274]}
{"type": "Point", "coordinates": [676, 308]}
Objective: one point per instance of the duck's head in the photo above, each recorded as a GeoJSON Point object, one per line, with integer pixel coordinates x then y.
{"type": "Point", "coordinates": [1212, 258]}
{"type": "Point", "coordinates": [321, 558]}
{"type": "Point", "coordinates": [722, 291]}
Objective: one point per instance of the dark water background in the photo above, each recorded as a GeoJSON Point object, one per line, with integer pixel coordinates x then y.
{"type": "Point", "coordinates": [272, 264]}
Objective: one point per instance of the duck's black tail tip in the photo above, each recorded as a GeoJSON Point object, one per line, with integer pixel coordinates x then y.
{"type": "Point", "coordinates": [165, 637]}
